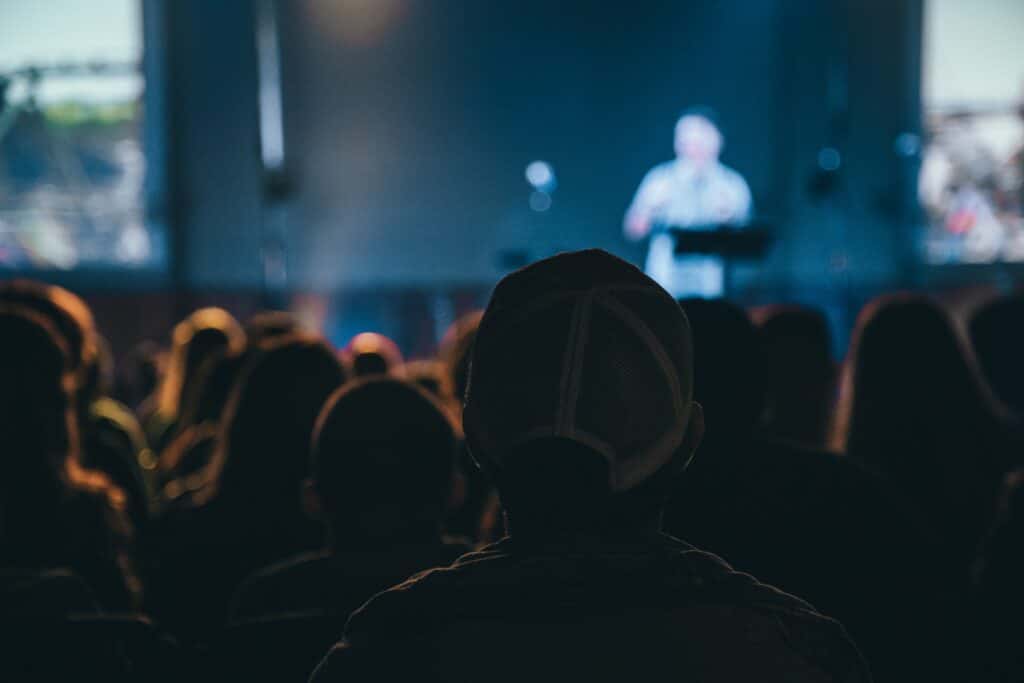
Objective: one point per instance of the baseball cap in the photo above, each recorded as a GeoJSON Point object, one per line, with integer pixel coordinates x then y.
{"type": "Point", "coordinates": [581, 346]}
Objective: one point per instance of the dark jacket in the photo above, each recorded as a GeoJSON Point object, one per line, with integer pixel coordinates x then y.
{"type": "Point", "coordinates": [201, 556]}
{"type": "Point", "coordinates": [641, 608]}
{"type": "Point", "coordinates": [336, 583]}
{"type": "Point", "coordinates": [821, 527]}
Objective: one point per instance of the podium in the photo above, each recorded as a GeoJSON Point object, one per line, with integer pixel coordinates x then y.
{"type": "Point", "coordinates": [731, 243]}
{"type": "Point", "coordinates": [748, 242]}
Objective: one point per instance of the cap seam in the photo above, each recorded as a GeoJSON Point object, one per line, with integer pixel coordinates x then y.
{"type": "Point", "coordinates": [572, 394]}
{"type": "Point", "coordinates": [568, 355]}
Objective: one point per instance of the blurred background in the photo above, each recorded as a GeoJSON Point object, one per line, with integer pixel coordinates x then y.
{"type": "Point", "coordinates": [380, 164]}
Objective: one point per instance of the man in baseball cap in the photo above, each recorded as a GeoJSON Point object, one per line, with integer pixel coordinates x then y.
{"type": "Point", "coordinates": [579, 406]}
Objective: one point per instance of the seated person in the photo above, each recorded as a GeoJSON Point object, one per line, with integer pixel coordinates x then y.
{"type": "Point", "coordinates": [266, 325]}
{"type": "Point", "coordinates": [183, 459]}
{"type": "Point", "coordinates": [809, 522]}
{"type": "Point", "coordinates": [580, 406]}
{"type": "Point", "coordinates": [799, 374]}
{"type": "Point", "coordinates": [114, 443]}
{"type": "Point", "coordinates": [370, 353]}
{"type": "Point", "coordinates": [383, 459]}
{"type": "Point", "coordinates": [44, 594]}
{"type": "Point", "coordinates": [997, 333]}
{"type": "Point", "coordinates": [195, 339]}
{"type": "Point", "coordinates": [248, 512]}
{"type": "Point", "coordinates": [475, 497]}
{"type": "Point", "coordinates": [998, 596]}
{"type": "Point", "coordinates": [39, 614]}
{"type": "Point", "coordinates": [430, 375]}
{"type": "Point", "coordinates": [55, 514]}
{"type": "Point", "coordinates": [110, 438]}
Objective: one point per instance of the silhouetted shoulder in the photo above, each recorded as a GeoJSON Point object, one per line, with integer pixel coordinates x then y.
{"type": "Point", "coordinates": [271, 590]}
{"type": "Point", "coordinates": [52, 593]}
{"type": "Point", "coordinates": [335, 583]}
{"type": "Point", "coordinates": [614, 598]}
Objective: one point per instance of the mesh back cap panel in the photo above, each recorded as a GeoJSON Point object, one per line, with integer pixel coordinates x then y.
{"type": "Point", "coordinates": [586, 347]}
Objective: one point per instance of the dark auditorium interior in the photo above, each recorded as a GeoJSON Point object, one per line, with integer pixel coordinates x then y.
{"type": "Point", "coordinates": [512, 340]}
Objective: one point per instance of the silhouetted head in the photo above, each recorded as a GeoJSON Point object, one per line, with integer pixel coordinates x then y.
{"type": "Point", "coordinates": [382, 462]}
{"type": "Point", "coordinates": [195, 339]}
{"type": "Point", "coordinates": [913, 408]}
{"type": "Point", "coordinates": [727, 375]}
{"type": "Point", "coordinates": [911, 397]}
{"type": "Point", "coordinates": [209, 392]}
{"type": "Point", "coordinates": [138, 373]}
{"type": "Point", "coordinates": [580, 393]}
{"type": "Point", "coordinates": [370, 354]}
{"type": "Point", "coordinates": [271, 325]}
{"type": "Point", "coordinates": [262, 453]}
{"type": "Point", "coordinates": [456, 350]}
{"type": "Point", "coordinates": [38, 428]}
{"type": "Point", "coordinates": [35, 392]}
{"type": "Point", "coordinates": [98, 377]}
{"type": "Point", "coordinates": [430, 375]}
{"type": "Point", "coordinates": [66, 312]}
{"type": "Point", "coordinates": [997, 333]}
{"type": "Point", "coordinates": [799, 373]}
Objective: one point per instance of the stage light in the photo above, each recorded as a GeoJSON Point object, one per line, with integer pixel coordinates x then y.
{"type": "Point", "coordinates": [540, 201]}
{"type": "Point", "coordinates": [541, 176]}
{"type": "Point", "coordinates": [360, 23]}
{"type": "Point", "coordinates": [829, 159]}
{"type": "Point", "coordinates": [908, 144]}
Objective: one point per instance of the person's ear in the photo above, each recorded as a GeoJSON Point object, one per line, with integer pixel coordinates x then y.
{"type": "Point", "coordinates": [311, 503]}
{"type": "Point", "coordinates": [692, 437]}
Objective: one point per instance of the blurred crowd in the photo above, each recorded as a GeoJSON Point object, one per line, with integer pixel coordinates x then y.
{"type": "Point", "coordinates": [612, 481]}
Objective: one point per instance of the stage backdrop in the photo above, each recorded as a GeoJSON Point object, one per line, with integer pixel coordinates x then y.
{"type": "Point", "coordinates": [409, 124]}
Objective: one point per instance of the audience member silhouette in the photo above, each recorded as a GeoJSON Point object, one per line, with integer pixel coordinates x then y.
{"type": "Point", "coordinates": [267, 325]}
{"type": "Point", "coordinates": [185, 457]}
{"type": "Point", "coordinates": [54, 513]}
{"type": "Point", "coordinates": [456, 349]}
{"type": "Point", "coordinates": [371, 354]}
{"type": "Point", "coordinates": [799, 373]}
{"type": "Point", "coordinates": [138, 373]}
{"type": "Point", "coordinates": [808, 522]}
{"type": "Point", "coordinates": [109, 437]}
{"type": "Point", "coordinates": [587, 395]}
{"type": "Point", "coordinates": [998, 592]}
{"type": "Point", "coordinates": [249, 513]}
{"type": "Point", "coordinates": [113, 441]}
{"type": "Point", "coordinates": [66, 312]}
{"type": "Point", "coordinates": [913, 407]}
{"type": "Point", "coordinates": [36, 610]}
{"type": "Point", "coordinates": [997, 334]}
{"type": "Point", "coordinates": [43, 594]}
{"type": "Point", "coordinates": [579, 404]}
{"type": "Point", "coordinates": [193, 341]}
{"type": "Point", "coordinates": [382, 463]}
{"type": "Point", "coordinates": [431, 376]}
{"type": "Point", "coordinates": [475, 501]}
{"type": "Point", "coordinates": [188, 453]}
